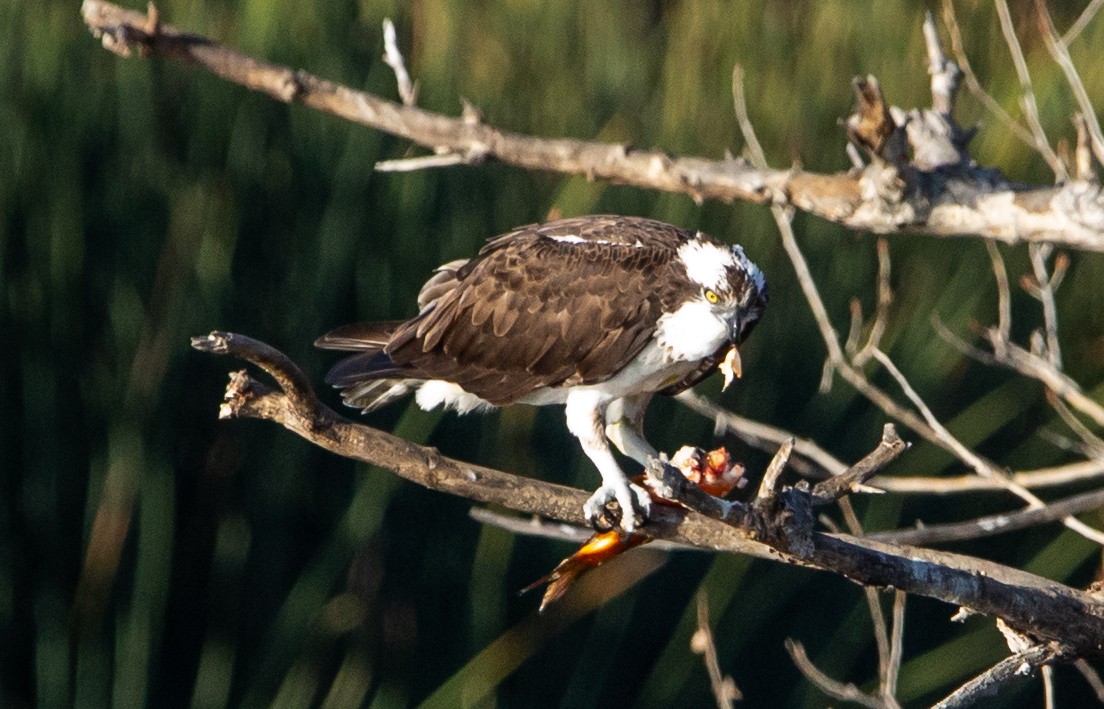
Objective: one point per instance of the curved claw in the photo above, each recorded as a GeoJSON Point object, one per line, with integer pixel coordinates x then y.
{"type": "Point", "coordinates": [634, 501]}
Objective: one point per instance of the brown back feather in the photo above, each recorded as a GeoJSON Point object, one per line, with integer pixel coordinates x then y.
{"type": "Point", "coordinates": [532, 312]}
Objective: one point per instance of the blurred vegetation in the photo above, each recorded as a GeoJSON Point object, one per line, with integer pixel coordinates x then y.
{"type": "Point", "coordinates": [151, 555]}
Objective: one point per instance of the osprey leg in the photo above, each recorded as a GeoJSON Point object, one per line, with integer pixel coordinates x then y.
{"type": "Point", "coordinates": [586, 416]}
{"type": "Point", "coordinates": [625, 427]}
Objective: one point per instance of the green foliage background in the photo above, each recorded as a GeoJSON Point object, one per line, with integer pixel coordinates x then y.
{"type": "Point", "coordinates": [152, 555]}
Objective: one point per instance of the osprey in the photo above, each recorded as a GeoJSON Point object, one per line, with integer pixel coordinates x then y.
{"type": "Point", "coordinates": [597, 313]}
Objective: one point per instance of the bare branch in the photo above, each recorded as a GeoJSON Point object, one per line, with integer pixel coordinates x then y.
{"type": "Point", "coordinates": [1031, 108]}
{"type": "Point", "coordinates": [768, 438]}
{"type": "Point", "coordinates": [996, 524]}
{"type": "Point", "coordinates": [1048, 687]}
{"type": "Point", "coordinates": [1082, 21]}
{"type": "Point", "coordinates": [769, 484]}
{"type": "Point", "coordinates": [881, 313]}
{"type": "Point", "coordinates": [298, 409]}
{"type": "Point", "coordinates": [873, 601]}
{"type": "Point", "coordinates": [890, 447]}
{"type": "Point", "coordinates": [843, 691]}
{"type": "Point", "coordinates": [1069, 474]}
{"type": "Point", "coordinates": [979, 464]}
{"type": "Point", "coordinates": [889, 689]}
{"type": "Point", "coordinates": [1032, 365]}
{"type": "Point", "coordinates": [1060, 52]}
{"type": "Point", "coordinates": [1092, 677]}
{"type": "Point", "coordinates": [1091, 445]}
{"type": "Point", "coordinates": [408, 92]}
{"type": "Point", "coordinates": [725, 691]}
{"type": "Point", "coordinates": [1004, 291]}
{"type": "Point", "coordinates": [967, 200]}
{"type": "Point", "coordinates": [992, 680]}
{"type": "Point", "coordinates": [972, 82]}
{"type": "Point", "coordinates": [1044, 291]}
{"type": "Point", "coordinates": [781, 530]}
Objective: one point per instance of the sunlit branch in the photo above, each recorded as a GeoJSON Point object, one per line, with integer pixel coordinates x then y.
{"type": "Point", "coordinates": [775, 528]}
{"type": "Point", "coordinates": [981, 202]}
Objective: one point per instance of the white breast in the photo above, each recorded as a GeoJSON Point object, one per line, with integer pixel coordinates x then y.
{"type": "Point", "coordinates": [692, 332]}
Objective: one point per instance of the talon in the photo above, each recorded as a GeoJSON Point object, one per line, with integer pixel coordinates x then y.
{"type": "Point", "coordinates": [634, 502]}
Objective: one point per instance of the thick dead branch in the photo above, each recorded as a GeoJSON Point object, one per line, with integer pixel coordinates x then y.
{"type": "Point", "coordinates": [941, 199]}
{"type": "Point", "coordinates": [781, 530]}
{"type": "Point", "coordinates": [298, 409]}
{"type": "Point", "coordinates": [787, 527]}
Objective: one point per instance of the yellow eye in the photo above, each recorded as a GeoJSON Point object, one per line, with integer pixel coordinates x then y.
{"type": "Point", "coordinates": [711, 296]}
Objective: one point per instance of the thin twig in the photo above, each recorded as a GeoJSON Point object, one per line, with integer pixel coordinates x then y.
{"type": "Point", "coordinates": [885, 300]}
{"type": "Point", "coordinates": [1044, 291]}
{"type": "Point", "coordinates": [1091, 445]}
{"type": "Point", "coordinates": [1062, 57]}
{"type": "Point", "coordinates": [769, 485]}
{"type": "Point", "coordinates": [1083, 152]}
{"type": "Point", "coordinates": [843, 691]}
{"type": "Point", "coordinates": [980, 465]}
{"type": "Point", "coordinates": [423, 162]}
{"type": "Point", "coordinates": [1004, 291]}
{"type": "Point", "coordinates": [873, 598]}
{"type": "Point", "coordinates": [972, 82]}
{"type": "Point", "coordinates": [725, 691]}
{"type": "Point", "coordinates": [889, 688]}
{"type": "Point", "coordinates": [1092, 677]}
{"type": "Point", "coordinates": [1082, 21]}
{"type": "Point", "coordinates": [782, 217]}
{"type": "Point", "coordinates": [851, 344]}
{"type": "Point", "coordinates": [996, 524]}
{"type": "Point", "coordinates": [1032, 365]}
{"type": "Point", "coordinates": [889, 448]}
{"type": "Point", "coordinates": [408, 92]}
{"type": "Point", "coordinates": [1048, 687]}
{"type": "Point", "coordinates": [810, 459]}
{"type": "Point", "coordinates": [1057, 476]}
{"type": "Point", "coordinates": [1031, 108]}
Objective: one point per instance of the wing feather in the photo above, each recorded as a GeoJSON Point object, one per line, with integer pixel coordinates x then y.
{"type": "Point", "coordinates": [565, 303]}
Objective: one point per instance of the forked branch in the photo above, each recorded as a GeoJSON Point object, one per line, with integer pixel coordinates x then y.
{"type": "Point", "coordinates": [887, 196]}
{"type": "Point", "coordinates": [779, 526]}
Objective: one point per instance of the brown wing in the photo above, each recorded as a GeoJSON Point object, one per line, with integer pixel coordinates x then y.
{"type": "Point", "coordinates": [566, 303]}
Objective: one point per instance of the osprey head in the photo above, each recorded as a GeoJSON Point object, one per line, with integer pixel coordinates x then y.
{"type": "Point", "coordinates": [730, 285]}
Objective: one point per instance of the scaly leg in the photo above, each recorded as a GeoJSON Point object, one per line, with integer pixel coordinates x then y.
{"type": "Point", "coordinates": [586, 420]}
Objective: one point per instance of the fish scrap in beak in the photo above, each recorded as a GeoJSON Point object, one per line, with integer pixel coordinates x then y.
{"type": "Point", "coordinates": [731, 367]}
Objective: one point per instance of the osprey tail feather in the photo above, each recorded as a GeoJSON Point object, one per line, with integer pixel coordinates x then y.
{"type": "Point", "coordinates": [368, 379]}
